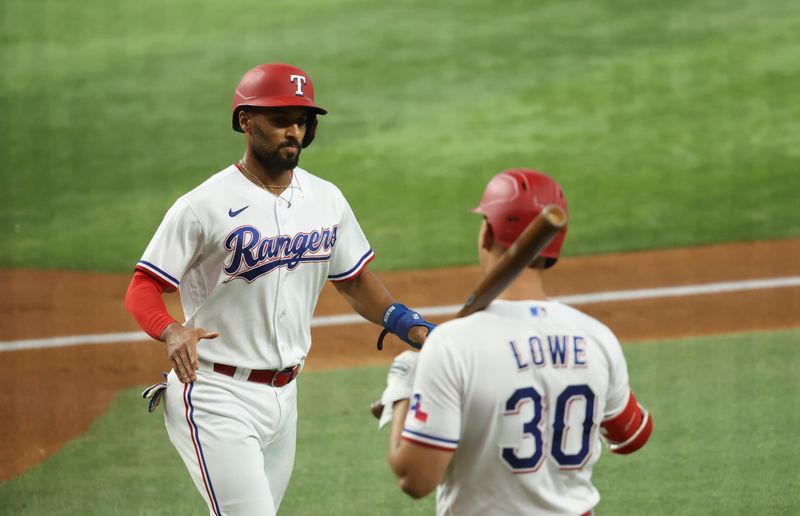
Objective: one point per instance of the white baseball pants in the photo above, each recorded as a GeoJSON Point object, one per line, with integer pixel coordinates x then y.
{"type": "Point", "coordinates": [237, 439]}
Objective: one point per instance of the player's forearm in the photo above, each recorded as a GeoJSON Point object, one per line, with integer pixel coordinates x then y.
{"type": "Point", "coordinates": [144, 302]}
{"type": "Point", "coordinates": [397, 459]}
{"type": "Point", "coordinates": [399, 410]}
{"type": "Point", "coordinates": [367, 295]}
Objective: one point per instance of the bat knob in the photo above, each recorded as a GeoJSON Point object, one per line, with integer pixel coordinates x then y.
{"type": "Point", "coordinates": [376, 408]}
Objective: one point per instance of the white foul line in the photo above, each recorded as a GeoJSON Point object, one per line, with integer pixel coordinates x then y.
{"type": "Point", "coordinates": [434, 311]}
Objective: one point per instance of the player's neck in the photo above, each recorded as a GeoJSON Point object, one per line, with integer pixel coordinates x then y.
{"type": "Point", "coordinates": [275, 181]}
{"type": "Point", "coordinates": [528, 285]}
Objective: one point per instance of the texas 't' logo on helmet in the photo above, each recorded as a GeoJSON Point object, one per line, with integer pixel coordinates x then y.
{"type": "Point", "coordinates": [300, 81]}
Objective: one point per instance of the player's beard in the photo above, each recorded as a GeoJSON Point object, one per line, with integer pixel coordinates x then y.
{"type": "Point", "coordinates": [272, 160]}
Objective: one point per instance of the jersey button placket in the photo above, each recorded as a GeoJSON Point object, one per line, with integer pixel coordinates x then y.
{"type": "Point", "coordinates": [279, 314]}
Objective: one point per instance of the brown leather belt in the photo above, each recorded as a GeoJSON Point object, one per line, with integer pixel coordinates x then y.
{"type": "Point", "coordinates": [273, 377]}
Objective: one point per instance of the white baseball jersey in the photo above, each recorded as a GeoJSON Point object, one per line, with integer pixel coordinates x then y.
{"type": "Point", "coordinates": [251, 265]}
{"type": "Point", "coordinates": [518, 392]}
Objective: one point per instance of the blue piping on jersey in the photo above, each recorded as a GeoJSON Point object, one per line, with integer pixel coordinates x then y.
{"type": "Point", "coordinates": [356, 267]}
{"type": "Point", "coordinates": [431, 437]}
{"type": "Point", "coordinates": [163, 273]}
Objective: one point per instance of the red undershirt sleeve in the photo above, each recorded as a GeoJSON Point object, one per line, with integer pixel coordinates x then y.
{"type": "Point", "coordinates": [144, 302]}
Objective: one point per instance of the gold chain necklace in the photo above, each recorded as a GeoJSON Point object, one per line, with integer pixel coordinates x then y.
{"type": "Point", "coordinates": [289, 186]}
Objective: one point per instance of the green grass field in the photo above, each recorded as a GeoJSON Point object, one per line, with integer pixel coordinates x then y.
{"type": "Point", "coordinates": [726, 413]}
{"type": "Point", "coordinates": [668, 123]}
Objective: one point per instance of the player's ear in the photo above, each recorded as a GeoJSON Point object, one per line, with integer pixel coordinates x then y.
{"type": "Point", "coordinates": [244, 120]}
{"type": "Point", "coordinates": [487, 235]}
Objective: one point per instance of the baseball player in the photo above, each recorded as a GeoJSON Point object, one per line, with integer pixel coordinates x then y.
{"type": "Point", "coordinates": [507, 406]}
{"type": "Point", "coordinates": [250, 250]}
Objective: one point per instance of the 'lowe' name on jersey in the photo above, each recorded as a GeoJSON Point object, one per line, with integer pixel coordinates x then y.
{"type": "Point", "coordinates": [554, 350]}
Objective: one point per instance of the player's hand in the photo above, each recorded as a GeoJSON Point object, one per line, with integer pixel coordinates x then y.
{"type": "Point", "coordinates": [418, 334]}
{"type": "Point", "coordinates": [182, 349]}
{"type": "Point", "coordinates": [399, 383]}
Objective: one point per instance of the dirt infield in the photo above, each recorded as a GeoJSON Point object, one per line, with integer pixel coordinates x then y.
{"type": "Point", "coordinates": [49, 396]}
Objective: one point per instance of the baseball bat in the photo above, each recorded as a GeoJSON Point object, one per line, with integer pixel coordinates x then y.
{"type": "Point", "coordinates": [525, 249]}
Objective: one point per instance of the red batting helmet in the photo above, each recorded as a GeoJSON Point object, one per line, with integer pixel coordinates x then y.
{"type": "Point", "coordinates": [511, 201]}
{"type": "Point", "coordinates": [277, 85]}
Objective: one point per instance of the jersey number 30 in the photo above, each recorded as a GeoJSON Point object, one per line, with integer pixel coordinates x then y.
{"type": "Point", "coordinates": [533, 429]}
